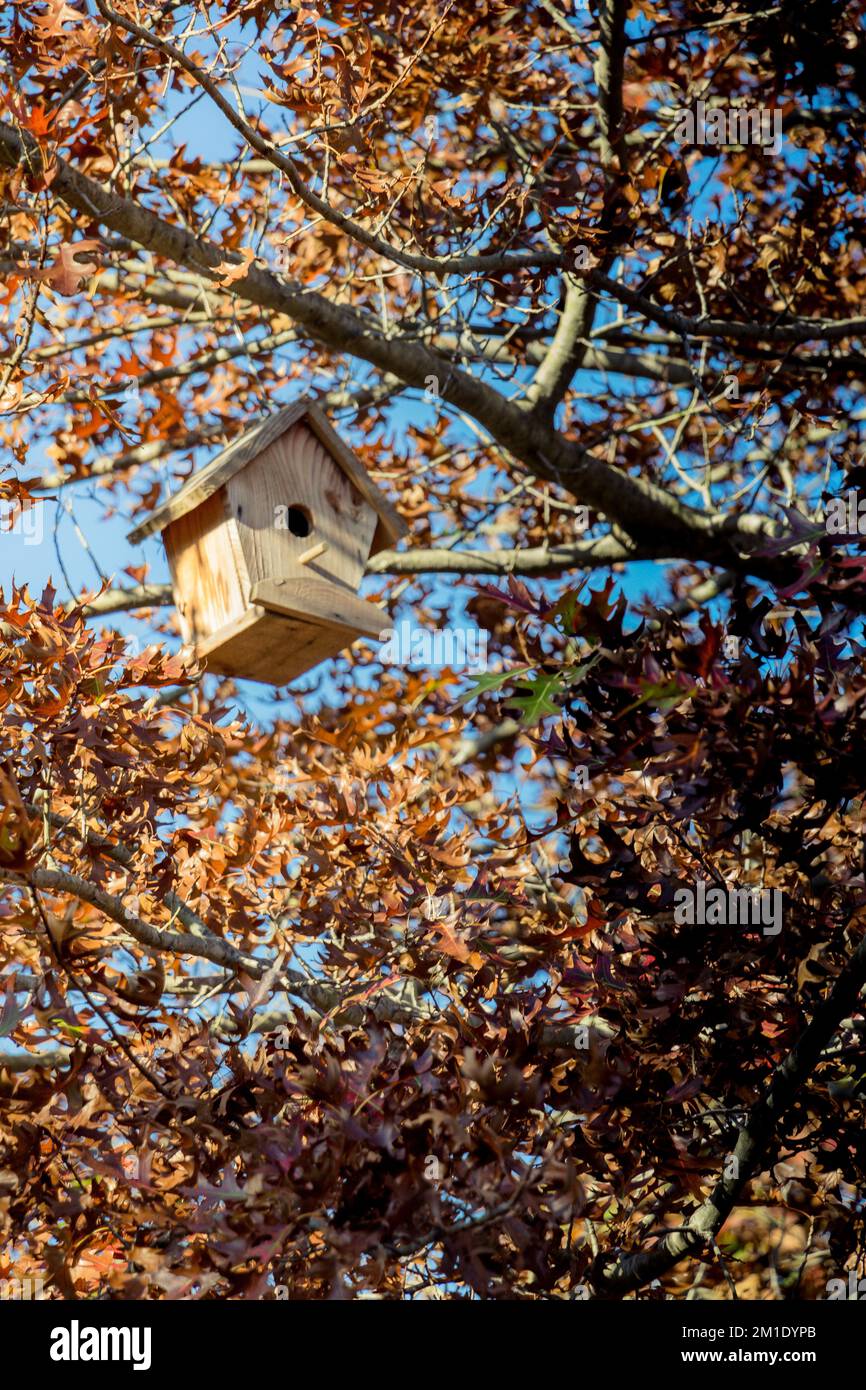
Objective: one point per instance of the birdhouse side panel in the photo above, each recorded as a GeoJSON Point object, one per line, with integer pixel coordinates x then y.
{"type": "Point", "coordinates": [298, 515]}
{"type": "Point", "coordinates": [208, 575]}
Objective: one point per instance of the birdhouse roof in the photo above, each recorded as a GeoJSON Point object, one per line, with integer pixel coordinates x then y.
{"type": "Point", "coordinates": [248, 446]}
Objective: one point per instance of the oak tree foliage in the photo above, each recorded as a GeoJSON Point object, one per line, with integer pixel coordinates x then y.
{"type": "Point", "coordinates": [376, 984]}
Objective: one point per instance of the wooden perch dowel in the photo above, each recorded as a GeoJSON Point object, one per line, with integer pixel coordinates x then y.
{"type": "Point", "coordinates": [313, 553]}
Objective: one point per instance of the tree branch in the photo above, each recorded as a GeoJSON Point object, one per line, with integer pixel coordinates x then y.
{"type": "Point", "coordinates": [570, 343]}
{"type": "Point", "coordinates": [626, 1272]}
{"type": "Point", "coordinates": [538, 561]}
{"type": "Point", "coordinates": [449, 265]}
{"type": "Point", "coordinates": [663, 524]}
{"type": "Point", "coordinates": [781, 331]}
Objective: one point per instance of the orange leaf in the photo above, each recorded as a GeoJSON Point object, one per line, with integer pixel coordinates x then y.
{"type": "Point", "coordinates": [228, 271]}
{"type": "Point", "coordinates": [65, 274]}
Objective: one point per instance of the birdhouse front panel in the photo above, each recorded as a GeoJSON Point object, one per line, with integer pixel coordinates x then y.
{"type": "Point", "coordinates": [298, 516]}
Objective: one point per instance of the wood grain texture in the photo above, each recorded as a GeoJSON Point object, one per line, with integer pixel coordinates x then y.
{"type": "Point", "coordinates": [205, 481]}
{"type": "Point", "coordinates": [270, 648]}
{"type": "Point", "coordinates": [297, 470]}
{"type": "Point", "coordinates": [209, 582]}
{"type": "Point", "coordinates": [390, 527]}
{"type": "Point", "coordinates": [321, 603]}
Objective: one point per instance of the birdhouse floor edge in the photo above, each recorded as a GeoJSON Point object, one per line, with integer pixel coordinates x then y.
{"type": "Point", "coordinates": [319, 601]}
{"type": "Point", "coordinates": [278, 638]}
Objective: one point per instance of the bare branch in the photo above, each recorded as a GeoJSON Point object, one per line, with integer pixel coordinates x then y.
{"type": "Point", "coordinates": [400, 256]}
{"type": "Point", "coordinates": [780, 331]}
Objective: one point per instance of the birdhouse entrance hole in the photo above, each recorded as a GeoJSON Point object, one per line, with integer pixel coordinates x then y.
{"type": "Point", "coordinates": [298, 521]}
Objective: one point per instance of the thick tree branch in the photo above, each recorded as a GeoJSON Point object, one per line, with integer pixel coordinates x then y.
{"type": "Point", "coordinates": [124, 600]}
{"type": "Point", "coordinates": [564, 355]}
{"type": "Point", "coordinates": [664, 525]}
{"type": "Point", "coordinates": [540, 560]}
{"type": "Point", "coordinates": [609, 72]}
{"type": "Point", "coordinates": [204, 945]}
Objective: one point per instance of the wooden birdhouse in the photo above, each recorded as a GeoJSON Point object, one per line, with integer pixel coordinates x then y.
{"type": "Point", "coordinates": [267, 545]}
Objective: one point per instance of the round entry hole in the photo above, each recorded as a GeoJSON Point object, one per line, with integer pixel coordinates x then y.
{"type": "Point", "coordinates": [298, 521]}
